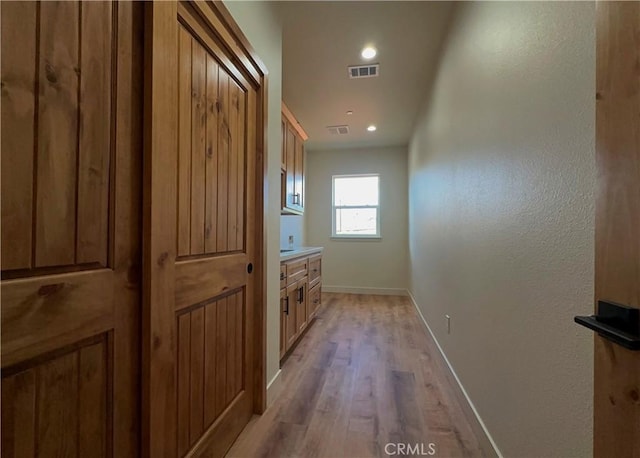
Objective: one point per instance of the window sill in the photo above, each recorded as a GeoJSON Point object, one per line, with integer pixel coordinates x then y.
{"type": "Point", "coordinates": [356, 238]}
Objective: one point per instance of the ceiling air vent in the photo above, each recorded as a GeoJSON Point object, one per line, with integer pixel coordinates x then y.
{"type": "Point", "coordinates": [364, 71]}
{"type": "Point", "coordinates": [338, 130]}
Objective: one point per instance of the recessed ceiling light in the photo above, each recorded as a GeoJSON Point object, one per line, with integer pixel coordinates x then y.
{"type": "Point", "coordinates": [350, 112]}
{"type": "Point", "coordinates": [371, 128]}
{"type": "Point", "coordinates": [369, 52]}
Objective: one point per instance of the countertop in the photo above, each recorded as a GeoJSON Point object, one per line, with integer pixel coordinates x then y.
{"type": "Point", "coordinates": [300, 251]}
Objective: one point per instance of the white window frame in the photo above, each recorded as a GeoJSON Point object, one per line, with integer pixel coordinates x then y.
{"type": "Point", "coordinates": [378, 234]}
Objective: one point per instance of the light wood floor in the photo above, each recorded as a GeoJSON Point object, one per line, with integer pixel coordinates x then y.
{"type": "Point", "coordinates": [364, 375]}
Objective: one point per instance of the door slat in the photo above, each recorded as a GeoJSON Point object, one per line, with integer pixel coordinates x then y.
{"type": "Point", "coordinates": [94, 152]}
{"type": "Point", "coordinates": [57, 134]}
{"type": "Point", "coordinates": [211, 167]}
{"type": "Point", "coordinates": [184, 143]}
{"type": "Point", "coordinates": [18, 106]}
{"type": "Point", "coordinates": [223, 160]}
{"type": "Point", "coordinates": [198, 147]}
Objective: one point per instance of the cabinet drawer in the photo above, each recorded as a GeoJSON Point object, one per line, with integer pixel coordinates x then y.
{"type": "Point", "coordinates": [296, 270]}
{"type": "Point", "coordinates": [283, 276]}
{"type": "Point", "coordinates": [315, 268]}
{"type": "Point", "coordinates": [314, 300]}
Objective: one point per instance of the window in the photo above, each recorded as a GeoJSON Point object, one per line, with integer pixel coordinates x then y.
{"type": "Point", "coordinates": [356, 206]}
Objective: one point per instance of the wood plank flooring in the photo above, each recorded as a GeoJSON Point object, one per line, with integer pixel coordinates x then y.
{"type": "Point", "coordinates": [365, 374]}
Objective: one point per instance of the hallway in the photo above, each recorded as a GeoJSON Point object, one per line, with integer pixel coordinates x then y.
{"type": "Point", "coordinates": [367, 373]}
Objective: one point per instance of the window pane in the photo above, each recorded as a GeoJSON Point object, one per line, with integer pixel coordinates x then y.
{"type": "Point", "coordinates": [356, 221]}
{"type": "Point", "coordinates": [355, 191]}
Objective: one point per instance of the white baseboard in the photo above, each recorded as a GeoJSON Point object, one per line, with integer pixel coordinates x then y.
{"type": "Point", "coordinates": [274, 387]}
{"type": "Point", "coordinates": [489, 442]}
{"type": "Point", "coordinates": [364, 290]}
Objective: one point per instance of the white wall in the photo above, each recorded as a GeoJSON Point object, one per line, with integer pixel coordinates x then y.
{"type": "Point", "coordinates": [371, 264]}
{"type": "Point", "coordinates": [502, 175]}
{"type": "Point", "coordinates": [260, 24]}
{"type": "Point", "coordinates": [292, 225]}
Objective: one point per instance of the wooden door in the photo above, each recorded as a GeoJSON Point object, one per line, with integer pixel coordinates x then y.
{"type": "Point", "coordinates": [71, 185]}
{"type": "Point", "coordinates": [203, 135]}
{"type": "Point", "coordinates": [617, 370]}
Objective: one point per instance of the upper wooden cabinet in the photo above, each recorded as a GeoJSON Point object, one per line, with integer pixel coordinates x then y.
{"type": "Point", "coordinates": [292, 164]}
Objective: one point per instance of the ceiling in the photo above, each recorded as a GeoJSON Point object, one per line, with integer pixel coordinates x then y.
{"type": "Point", "coordinates": [319, 41]}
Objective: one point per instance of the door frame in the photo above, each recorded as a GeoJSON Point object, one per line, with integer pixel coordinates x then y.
{"type": "Point", "coordinates": [158, 409]}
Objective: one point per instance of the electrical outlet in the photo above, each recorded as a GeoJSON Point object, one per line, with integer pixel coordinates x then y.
{"type": "Point", "coordinates": [291, 242]}
{"type": "Point", "coordinates": [448, 324]}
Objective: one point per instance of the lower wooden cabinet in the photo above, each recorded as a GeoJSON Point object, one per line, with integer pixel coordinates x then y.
{"type": "Point", "coordinates": [300, 298]}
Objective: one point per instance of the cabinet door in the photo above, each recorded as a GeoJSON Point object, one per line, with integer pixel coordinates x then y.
{"type": "Point", "coordinates": [290, 152]}
{"type": "Point", "coordinates": [284, 311]}
{"type": "Point", "coordinates": [283, 155]}
{"type": "Point", "coordinates": [283, 276]}
{"type": "Point", "coordinates": [301, 304]}
{"type": "Point", "coordinates": [298, 176]}
{"type": "Point", "coordinates": [291, 330]}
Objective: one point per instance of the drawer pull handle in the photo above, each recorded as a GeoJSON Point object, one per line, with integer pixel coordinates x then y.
{"type": "Point", "coordinates": [286, 300]}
